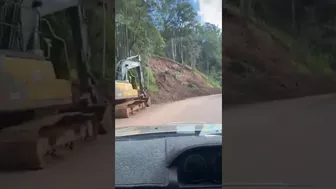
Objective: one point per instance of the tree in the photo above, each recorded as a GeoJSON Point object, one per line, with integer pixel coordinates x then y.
{"type": "Point", "coordinates": [167, 28]}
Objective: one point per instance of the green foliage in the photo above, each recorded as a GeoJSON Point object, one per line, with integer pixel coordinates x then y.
{"type": "Point", "coordinates": [319, 63]}
{"type": "Point", "coordinates": [211, 81]}
{"type": "Point", "coordinates": [167, 28]}
{"type": "Point", "coordinates": [134, 30]}
{"type": "Point", "coordinates": [307, 28]}
{"type": "Point", "coordinates": [193, 86]}
{"type": "Point", "coordinates": [150, 80]}
{"type": "Point", "coordinates": [177, 74]}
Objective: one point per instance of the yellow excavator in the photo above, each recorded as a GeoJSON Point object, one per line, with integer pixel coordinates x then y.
{"type": "Point", "coordinates": [43, 112]}
{"type": "Point", "coordinates": [130, 93]}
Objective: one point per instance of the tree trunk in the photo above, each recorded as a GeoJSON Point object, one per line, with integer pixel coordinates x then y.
{"type": "Point", "coordinates": [244, 8]}
{"type": "Point", "coordinates": [293, 15]}
{"type": "Point", "coordinates": [172, 48]}
{"type": "Point", "coordinates": [250, 7]}
{"type": "Point", "coordinates": [126, 42]}
{"type": "Point", "coordinates": [104, 42]}
{"type": "Point", "coordinates": [241, 6]}
{"type": "Point", "coordinates": [181, 50]}
{"type": "Point", "coordinates": [208, 66]}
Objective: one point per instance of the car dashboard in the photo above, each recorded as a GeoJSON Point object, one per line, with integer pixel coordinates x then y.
{"type": "Point", "coordinates": [172, 162]}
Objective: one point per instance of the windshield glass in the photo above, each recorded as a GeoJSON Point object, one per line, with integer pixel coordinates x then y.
{"type": "Point", "coordinates": [169, 54]}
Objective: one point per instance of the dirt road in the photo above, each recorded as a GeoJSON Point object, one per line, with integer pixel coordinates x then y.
{"type": "Point", "coordinates": [90, 166]}
{"type": "Point", "coordinates": [199, 109]}
{"type": "Point", "coordinates": [290, 141]}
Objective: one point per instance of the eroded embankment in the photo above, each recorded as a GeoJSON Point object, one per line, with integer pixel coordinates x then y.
{"type": "Point", "coordinates": [172, 81]}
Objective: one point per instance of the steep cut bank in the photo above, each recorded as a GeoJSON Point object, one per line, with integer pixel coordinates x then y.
{"type": "Point", "coordinates": [257, 66]}
{"type": "Point", "coordinates": [169, 81]}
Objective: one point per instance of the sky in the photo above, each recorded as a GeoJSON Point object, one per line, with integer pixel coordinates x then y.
{"type": "Point", "coordinates": [210, 11]}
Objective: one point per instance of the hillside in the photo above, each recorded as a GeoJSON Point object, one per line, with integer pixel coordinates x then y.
{"type": "Point", "coordinates": [259, 67]}
{"type": "Point", "coordinates": [169, 81]}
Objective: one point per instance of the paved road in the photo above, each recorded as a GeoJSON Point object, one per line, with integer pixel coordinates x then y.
{"type": "Point", "coordinates": [91, 167]}
{"type": "Point", "coordinates": [290, 141]}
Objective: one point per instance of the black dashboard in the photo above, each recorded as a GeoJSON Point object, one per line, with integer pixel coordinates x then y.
{"type": "Point", "coordinates": [173, 162]}
{"type": "Point", "coordinates": [200, 165]}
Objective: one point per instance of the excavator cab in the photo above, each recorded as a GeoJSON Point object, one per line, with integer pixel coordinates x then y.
{"type": "Point", "coordinates": [131, 68]}
{"type": "Point", "coordinates": [26, 73]}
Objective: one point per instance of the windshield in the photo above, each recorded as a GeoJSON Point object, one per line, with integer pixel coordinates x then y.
{"type": "Point", "coordinates": [169, 56]}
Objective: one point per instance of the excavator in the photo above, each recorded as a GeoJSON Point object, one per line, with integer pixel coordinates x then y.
{"type": "Point", "coordinates": [43, 112]}
{"type": "Point", "coordinates": [130, 93]}
{"type": "Point", "coordinates": [47, 107]}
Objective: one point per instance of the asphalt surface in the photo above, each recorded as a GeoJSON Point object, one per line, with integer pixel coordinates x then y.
{"type": "Point", "coordinates": [91, 167]}
{"type": "Point", "coordinates": [290, 141]}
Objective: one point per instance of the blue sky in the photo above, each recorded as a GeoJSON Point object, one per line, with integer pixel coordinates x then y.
{"type": "Point", "coordinates": [209, 11]}
{"type": "Point", "coordinates": [195, 4]}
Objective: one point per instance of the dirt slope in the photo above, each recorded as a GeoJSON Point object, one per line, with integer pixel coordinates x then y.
{"type": "Point", "coordinates": [176, 82]}
{"type": "Point", "coordinates": [258, 67]}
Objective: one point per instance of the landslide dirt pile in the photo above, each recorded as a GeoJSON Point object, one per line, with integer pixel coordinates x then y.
{"type": "Point", "coordinates": [258, 67]}
{"type": "Point", "coordinates": [176, 82]}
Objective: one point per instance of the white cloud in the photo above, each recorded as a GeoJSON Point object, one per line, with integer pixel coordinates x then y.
{"type": "Point", "coordinates": [211, 11]}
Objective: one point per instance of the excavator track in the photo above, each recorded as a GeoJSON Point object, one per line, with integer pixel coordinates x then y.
{"type": "Point", "coordinates": [31, 144]}
{"type": "Point", "coordinates": [129, 108]}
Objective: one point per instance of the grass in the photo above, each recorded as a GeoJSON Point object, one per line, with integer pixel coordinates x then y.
{"type": "Point", "coordinates": [214, 83]}
{"type": "Point", "coordinates": [193, 86]}
{"type": "Point", "coordinates": [301, 67]}
{"type": "Point", "coordinates": [151, 82]}
{"type": "Point", "coordinates": [319, 63]}
{"type": "Point", "coordinates": [177, 74]}
{"type": "Point", "coordinates": [211, 82]}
